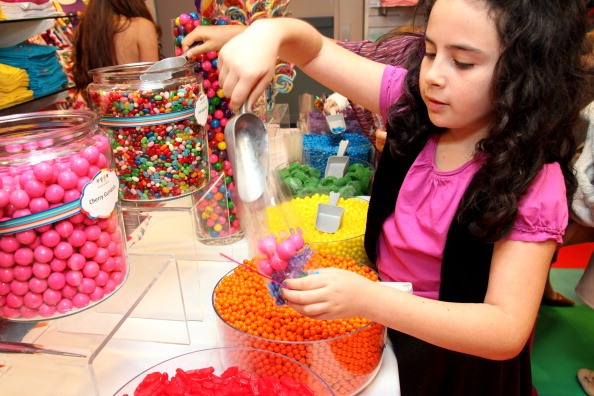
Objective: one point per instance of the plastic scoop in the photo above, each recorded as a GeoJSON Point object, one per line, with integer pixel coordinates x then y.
{"type": "Point", "coordinates": [336, 123]}
{"type": "Point", "coordinates": [329, 215]}
{"type": "Point", "coordinates": [174, 62]}
{"type": "Point", "coordinates": [247, 149]}
{"type": "Point", "coordinates": [338, 164]}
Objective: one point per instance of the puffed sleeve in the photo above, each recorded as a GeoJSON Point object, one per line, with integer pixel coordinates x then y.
{"type": "Point", "coordinates": [543, 210]}
{"type": "Point", "coordinates": [391, 88]}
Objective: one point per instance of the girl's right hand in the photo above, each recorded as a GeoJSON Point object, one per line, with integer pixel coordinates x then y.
{"type": "Point", "coordinates": [213, 38]}
{"type": "Point", "coordinates": [247, 62]}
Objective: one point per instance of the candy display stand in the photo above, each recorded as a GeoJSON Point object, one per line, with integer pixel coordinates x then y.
{"type": "Point", "coordinates": [83, 335]}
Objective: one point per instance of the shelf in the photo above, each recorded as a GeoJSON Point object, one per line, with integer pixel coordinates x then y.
{"type": "Point", "coordinates": [15, 31]}
{"type": "Point", "coordinates": [61, 16]}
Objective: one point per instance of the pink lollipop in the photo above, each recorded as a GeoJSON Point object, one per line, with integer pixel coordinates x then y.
{"type": "Point", "coordinates": [265, 267]}
{"type": "Point", "coordinates": [267, 245]}
{"type": "Point", "coordinates": [297, 239]}
{"type": "Point", "coordinates": [277, 263]}
{"type": "Point", "coordinates": [286, 249]}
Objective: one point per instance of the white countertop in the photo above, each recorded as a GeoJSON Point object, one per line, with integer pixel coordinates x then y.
{"type": "Point", "coordinates": [145, 339]}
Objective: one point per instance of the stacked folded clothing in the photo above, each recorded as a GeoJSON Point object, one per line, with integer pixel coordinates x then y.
{"type": "Point", "coordinates": [41, 63]}
{"type": "Point", "coordinates": [14, 9]}
{"type": "Point", "coordinates": [13, 86]}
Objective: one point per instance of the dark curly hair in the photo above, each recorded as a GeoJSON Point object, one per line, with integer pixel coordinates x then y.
{"type": "Point", "coordinates": [538, 90]}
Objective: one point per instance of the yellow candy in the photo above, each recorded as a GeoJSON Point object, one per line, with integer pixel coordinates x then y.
{"type": "Point", "coordinates": [347, 241]}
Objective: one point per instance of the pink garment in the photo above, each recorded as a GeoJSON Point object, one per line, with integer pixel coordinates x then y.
{"type": "Point", "coordinates": [412, 241]}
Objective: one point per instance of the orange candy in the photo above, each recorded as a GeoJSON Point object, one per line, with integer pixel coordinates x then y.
{"type": "Point", "coordinates": [345, 353]}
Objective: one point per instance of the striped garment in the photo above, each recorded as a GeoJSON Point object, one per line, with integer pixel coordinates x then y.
{"type": "Point", "coordinates": [395, 50]}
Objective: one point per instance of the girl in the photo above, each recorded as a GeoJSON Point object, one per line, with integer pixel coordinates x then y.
{"type": "Point", "coordinates": [470, 196]}
{"type": "Point", "coordinates": [113, 32]}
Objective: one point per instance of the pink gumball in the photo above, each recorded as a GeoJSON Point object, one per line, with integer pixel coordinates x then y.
{"type": "Point", "coordinates": [56, 281]}
{"type": "Point", "coordinates": [9, 244]}
{"type": "Point", "coordinates": [50, 238]}
{"type": "Point", "coordinates": [37, 285]}
{"type": "Point", "coordinates": [64, 306]}
{"type": "Point", "coordinates": [22, 272]}
{"type": "Point", "coordinates": [23, 256]}
{"type": "Point", "coordinates": [43, 172]}
{"type": "Point", "coordinates": [43, 254]}
{"type": "Point", "coordinates": [14, 301]}
{"type": "Point", "coordinates": [25, 237]}
{"type": "Point", "coordinates": [41, 270]}
{"type": "Point", "coordinates": [51, 297]}
{"type": "Point", "coordinates": [64, 228]}
{"type": "Point", "coordinates": [54, 193]}
{"type": "Point", "coordinates": [91, 154]}
{"type": "Point", "coordinates": [38, 205]}
{"type": "Point", "coordinates": [19, 199]}
{"type": "Point", "coordinates": [63, 250]}
{"type": "Point", "coordinates": [97, 294]}
{"type": "Point", "coordinates": [4, 198]}
{"type": "Point", "coordinates": [6, 259]}
{"type": "Point", "coordinates": [46, 311]}
{"type": "Point", "coordinates": [35, 188]}
{"type": "Point", "coordinates": [277, 263]}
{"type": "Point", "coordinates": [74, 278]}
{"type": "Point", "coordinates": [80, 166]}
{"type": "Point", "coordinates": [32, 300]}
{"type": "Point", "coordinates": [80, 300]}
{"type": "Point", "coordinates": [6, 275]}
{"type": "Point", "coordinates": [265, 267]}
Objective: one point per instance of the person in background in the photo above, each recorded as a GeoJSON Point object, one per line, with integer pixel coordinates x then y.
{"type": "Point", "coordinates": [470, 198]}
{"type": "Point", "coordinates": [113, 32]}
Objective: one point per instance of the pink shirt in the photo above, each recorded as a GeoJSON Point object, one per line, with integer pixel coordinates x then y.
{"type": "Point", "coordinates": [412, 241]}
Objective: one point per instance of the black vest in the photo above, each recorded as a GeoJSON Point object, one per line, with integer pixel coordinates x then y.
{"type": "Point", "coordinates": [426, 369]}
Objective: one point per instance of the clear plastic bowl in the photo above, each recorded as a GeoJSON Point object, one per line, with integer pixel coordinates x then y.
{"type": "Point", "coordinates": [255, 361]}
{"type": "Point", "coordinates": [347, 363]}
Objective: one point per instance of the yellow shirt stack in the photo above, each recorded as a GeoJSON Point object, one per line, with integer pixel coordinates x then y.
{"type": "Point", "coordinates": [14, 84]}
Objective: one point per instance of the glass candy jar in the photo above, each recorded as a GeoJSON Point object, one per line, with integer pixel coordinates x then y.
{"type": "Point", "coordinates": [156, 124]}
{"type": "Point", "coordinates": [62, 247]}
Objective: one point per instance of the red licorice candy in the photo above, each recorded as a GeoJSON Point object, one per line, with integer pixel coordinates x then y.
{"type": "Point", "coordinates": [204, 382]}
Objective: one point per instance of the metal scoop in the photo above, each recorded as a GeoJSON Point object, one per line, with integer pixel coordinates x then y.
{"type": "Point", "coordinates": [336, 123]}
{"type": "Point", "coordinates": [337, 164]}
{"type": "Point", "coordinates": [247, 149]}
{"type": "Point", "coordinates": [329, 215]}
{"type": "Point", "coordinates": [174, 62]}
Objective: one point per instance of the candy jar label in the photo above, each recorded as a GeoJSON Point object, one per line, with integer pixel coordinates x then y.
{"type": "Point", "coordinates": [100, 195]}
{"type": "Point", "coordinates": [201, 111]}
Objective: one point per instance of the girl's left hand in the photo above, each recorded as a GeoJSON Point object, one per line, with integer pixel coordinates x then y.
{"type": "Point", "coordinates": [331, 293]}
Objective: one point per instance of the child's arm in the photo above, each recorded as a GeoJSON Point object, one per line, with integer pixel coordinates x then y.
{"type": "Point", "coordinates": [496, 329]}
{"type": "Point", "coordinates": [246, 63]}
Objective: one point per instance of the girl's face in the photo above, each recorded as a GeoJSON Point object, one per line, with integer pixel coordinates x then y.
{"type": "Point", "coordinates": [462, 48]}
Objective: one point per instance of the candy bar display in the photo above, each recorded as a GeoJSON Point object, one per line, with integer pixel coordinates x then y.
{"type": "Point", "coordinates": [156, 129]}
{"type": "Point", "coordinates": [219, 113]}
{"type": "Point", "coordinates": [228, 371]}
{"type": "Point", "coordinates": [61, 234]}
{"type": "Point", "coordinates": [346, 354]}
